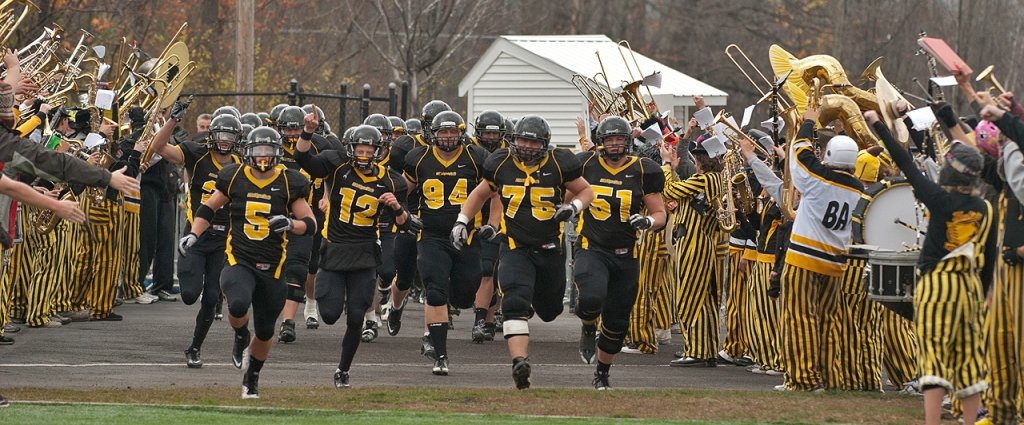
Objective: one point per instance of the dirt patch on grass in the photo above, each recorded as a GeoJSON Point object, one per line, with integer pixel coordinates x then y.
{"type": "Point", "coordinates": [840, 407]}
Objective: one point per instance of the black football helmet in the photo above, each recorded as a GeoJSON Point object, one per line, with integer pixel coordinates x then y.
{"type": "Point", "coordinates": [489, 128]}
{"type": "Point", "coordinates": [263, 150]}
{"type": "Point", "coordinates": [397, 125]}
{"type": "Point", "coordinates": [276, 112]}
{"type": "Point", "coordinates": [430, 110]}
{"type": "Point", "coordinates": [246, 129]}
{"type": "Point", "coordinates": [346, 137]}
{"type": "Point", "coordinates": [531, 127]}
{"type": "Point", "coordinates": [364, 135]}
{"type": "Point", "coordinates": [292, 118]}
{"type": "Point", "coordinates": [227, 110]}
{"type": "Point", "coordinates": [251, 119]}
{"type": "Point", "coordinates": [413, 127]}
{"type": "Point", "coordinates": [448, 120]}
{"type": "Point", "coordinates": [506, 131]}
{"type": "Point", "coordinates": [614, 126]}
{"type": "Point", "coordinates": [225, 134]}
{"type": "Point", "coordinates": [308, 108]}
{"type": "Point", "coordinates": [264, 118]}
{"type": "Point", "coordinates": [384, 126]}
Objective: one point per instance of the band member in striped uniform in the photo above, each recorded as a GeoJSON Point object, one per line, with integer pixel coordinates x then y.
{"type": "Point", "coordinates": [1006, 318]}
{"type": "Point", "coordinates": [200, 268]}
{"type": "Point", "coordinates": [358, 189]}
{"type": "Point", "coordinates": [763, 310]}
{"type": "Point", "coordinates": [262, 195]}
{"type": "Point", "coordinates": [815, 259]}
{"type": "Point", "coordinates": [627, 200]}
{"type": "Point", "coordinates": [956, 266]}
{"type": "Point", "coordinates": [696, 306]}
{"type": "Point", "coordinates": [742, 254]}
{"type": "Point", "coordinates": [530, 180]}
{"type": "Point", "coordinates": [652, 311]}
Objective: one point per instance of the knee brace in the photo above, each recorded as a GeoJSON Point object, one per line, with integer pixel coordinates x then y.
{"type": "Point", "coordinates": [436, 297]}
{"type": "Point", "coordinates": [295, 274]}
{"type": "Point", "coordinates": [609, 341]}
{"type": "Point", "coordinates": [515, 327]}
{"type": "Point", "coordinates": [189, 296]}
{"type": "Point", "coordinates": [383, 283]}
{"type": "Point", "coordinates": [296, 292]}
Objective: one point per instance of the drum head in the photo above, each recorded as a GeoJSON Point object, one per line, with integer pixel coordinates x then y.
{"type": "Point", "coordinates": [874, 220]}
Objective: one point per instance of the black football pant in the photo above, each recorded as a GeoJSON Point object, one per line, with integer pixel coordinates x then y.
{"type": "Point", "coordinates": [243, 286]}
{"type": "Point", "coordinates": [405, 254]}
{"type": "Point", "coordinates": [606, 286]}
{"type": "Point", "coordinates": [449, 276]}
{"type": "Point", "coordinates": [531, 280]}
{"type": "Point", "coordinates": [199, 276]}
{"type": "Point", "coordinates": [348, 290]}
{"type": "Point", "coordinates": [386, 269]}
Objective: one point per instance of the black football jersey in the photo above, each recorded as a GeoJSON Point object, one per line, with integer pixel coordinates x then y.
{"type": "Point", "coordinates": [618, 194]}
{"type": "Point", "coordinates": [353, 211]}
{"type": "Point", "coordinates": [202, 171]}
{"type": "Point", "coordinates": [400, 149]}
{"type": "Point", "coordinates": [319, 144]}
{"type": "Point", "coordinates": [443, 186]}
{"type": "Point", "coordinates": [252, 203]}
{"type": "Point", "coordinates": [530, 195]}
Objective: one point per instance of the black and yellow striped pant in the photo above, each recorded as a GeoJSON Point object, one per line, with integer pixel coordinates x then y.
{"type": "Point", "coordinates": [130, 253]}
{"type": "Point", "coordinates": [99, 264]}
{"type": "Point", "coordinates": [1005, 332]}
{"type": "Point", "coordinates": [808, 302]}
{"type": "Point", "coordinates": [697, 302]}
{"type": "Point", "coordinates": [736, 311]}
{"type": "Point", "coordinates": [854, 339]}
{"type": "Point", "coordinates": [68, 240]}
{"type": "Point", "coordinates": [40, 294]}
{"type": "Point", "coordinates": [763, 317]}
{"type": "Point", "coordinates": [16, 277]}
{"type": "Point", "coordinates": [650, 309]}
{"type": "Point", "coordinates": [899, 347]}
{"type": "Point", "coordinates": [949, 313]}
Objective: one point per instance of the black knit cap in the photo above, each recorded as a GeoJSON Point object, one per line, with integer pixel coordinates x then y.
{"type": "Point", "coordinates": [963, 166]}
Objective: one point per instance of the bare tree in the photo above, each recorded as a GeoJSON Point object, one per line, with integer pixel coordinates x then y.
{"type": "Point", "coordinates": [416, 39]}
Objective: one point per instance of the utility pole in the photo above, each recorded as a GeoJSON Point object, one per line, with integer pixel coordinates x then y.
{"type": "Point", "coordinates": [245, 49]}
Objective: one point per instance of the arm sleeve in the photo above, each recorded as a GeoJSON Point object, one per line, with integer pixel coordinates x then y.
{"type": "Point", "coordinates": [1012, 127]}
{"type": "Point", "coordinates": [766, 178]}
{"type": "Point", "coordinates": [29, 126]}
{"type": "Point", "coordinates": [223, 184]}
{"type": "Point", "coordinates": [1013, 167]}
{"type": "Point", "coordinates": [299, 186]}
{"type": "Point", "coordinates": [683, 189]}
{"type": "Point", "coordinates": [571, 167]}
{"type": "Point", "coordinates": [654, 178]}
{"type": "Point", "coordinates": [411, 161]}
{"type": "Point", "coordinates": [318, 166]}
{"type": "Point", "coordinates": [35, 159]}
{"type": "Point", "coordinates": [926, 190]}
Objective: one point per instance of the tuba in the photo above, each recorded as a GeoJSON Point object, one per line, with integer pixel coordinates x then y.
{"type": "Point", "coordinates": [44, 221]}
{"type": "Point", "coordinates": [823, 67]}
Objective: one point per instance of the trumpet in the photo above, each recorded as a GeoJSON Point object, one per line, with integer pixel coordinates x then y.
{"type": "Point", "coordinates": [987, 76]}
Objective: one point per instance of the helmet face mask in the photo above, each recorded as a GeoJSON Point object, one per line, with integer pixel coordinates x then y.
{"type": "Point", "coordinates": [224, 135]}
{"type": "Point", "coordinates": [489, 138]}
{"type": "Point", "coordinates": [290, 123]}
{"type": "Point", "coordinates": [447, 131]}
{"type": "Point", "coordinates": [360, 139]}
{"type": "Point", "coordinates": [532, 135]}
{"type": "Point", "coordinates": [263, 150]}
{"type": "Point", "coordinates": [490, 128]}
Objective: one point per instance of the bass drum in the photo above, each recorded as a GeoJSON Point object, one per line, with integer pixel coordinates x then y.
{"type": "Point", "coordinates": [879, 214]}
{"type": "Point", "coordinates": [881, 220]}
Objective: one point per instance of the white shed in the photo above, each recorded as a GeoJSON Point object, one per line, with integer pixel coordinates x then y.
{"type": "Point", "coordinates": [521, 75]}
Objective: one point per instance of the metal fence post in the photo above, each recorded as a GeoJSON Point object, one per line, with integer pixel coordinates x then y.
{"type": "Point", "coordinates": [405, 99]}
{"type": "Point", "coordinates": [392, 99]}
{"type": "Point", "coordinates": [365, 108]}
{"type": "Point", "coordinates": [342, 108]}
{"type": "Point", "coordinates": [293, 92]}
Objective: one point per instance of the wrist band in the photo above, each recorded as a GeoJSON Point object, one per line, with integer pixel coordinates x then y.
{"type": "Point", "coordinates": [305, 135]}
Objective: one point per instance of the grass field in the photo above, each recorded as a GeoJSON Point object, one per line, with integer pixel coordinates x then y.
{"type": "Point", "coordinates": [322, 405]}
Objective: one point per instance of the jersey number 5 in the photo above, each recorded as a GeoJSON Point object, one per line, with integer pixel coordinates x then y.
{"type": "Point", "coordinates": [258, 226]}
{"type": "Point", "coordinates": [836, 218]}
{"type": "Point", "coordinates": [541, 209]}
